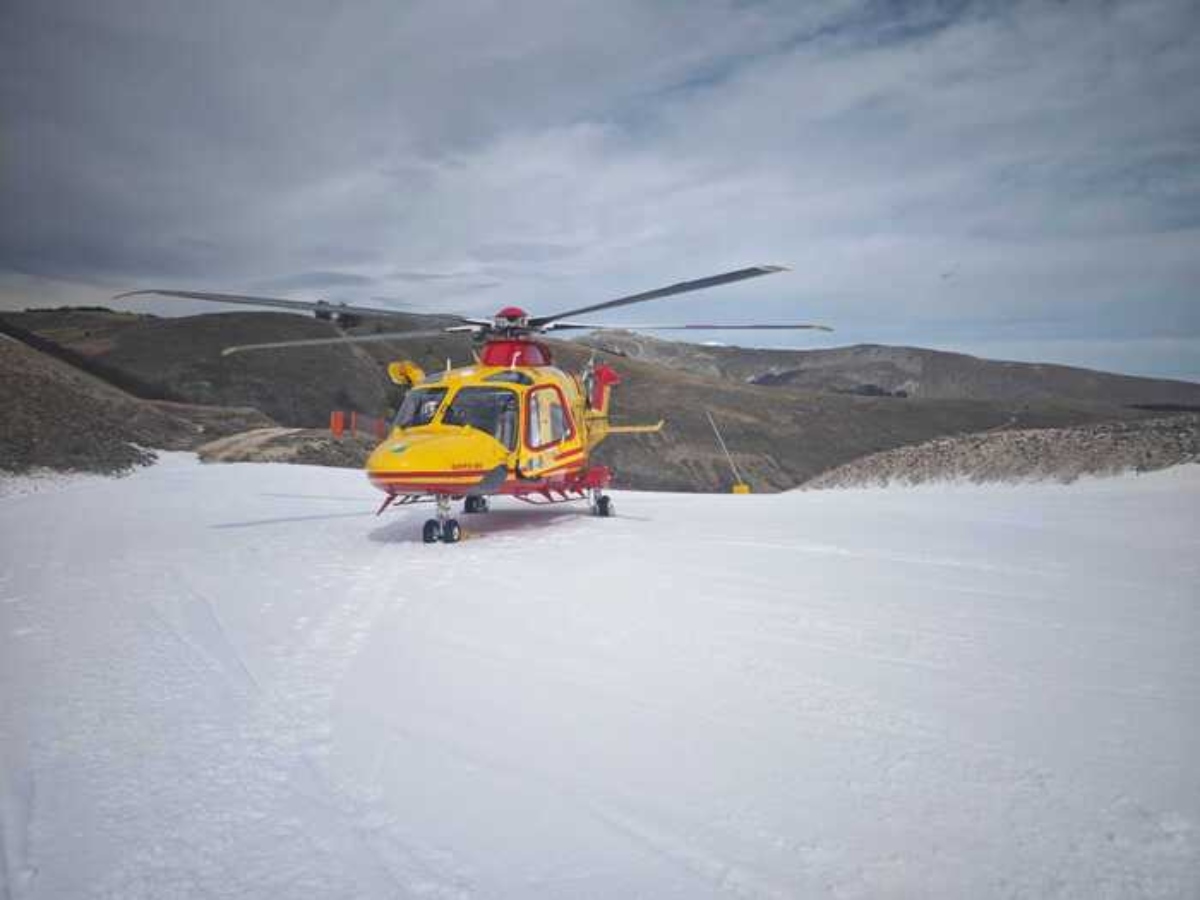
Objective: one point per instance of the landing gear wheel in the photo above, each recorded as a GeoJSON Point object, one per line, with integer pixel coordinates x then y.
{"type": "Point", "coordinates": [604, 507]}
{"type": "Point", "coordinates": [475, 504]}
{"type": "Point", "coordinates": [432, 533]}
{"type": "Point", "coordinates": [451, 533]}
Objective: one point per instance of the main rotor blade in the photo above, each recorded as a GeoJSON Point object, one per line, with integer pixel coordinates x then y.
{"type": "Point", "coordinates": [348, 339]}
{"type": "Point", "coordinates": [280, 302]}
{"type": "Point", "coordinates": [607, 326]}
{"type": "Point", "coordinates": [317, 306]}
{"type": "Point", "coordinates": [682, 287]}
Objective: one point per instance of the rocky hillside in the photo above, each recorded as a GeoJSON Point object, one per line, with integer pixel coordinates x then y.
{"type": "Point", "coordinates": [873, 370]}
{"type": "Point", "coordinates": [781, 434]}
{"type": "Point", "coordinates": [1058, 454]}
{"type": "Point", "coordinates": [57, 416]}
{"type": "Point", "coordinates": [304, 446]}
{"type": "Point", "coordinates": [180, 359]}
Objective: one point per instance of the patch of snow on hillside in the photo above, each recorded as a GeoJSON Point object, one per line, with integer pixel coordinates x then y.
{"type": "Point", "coordinates": [235, 681]}
{"type": "Point", "coordinates": [41, 481]}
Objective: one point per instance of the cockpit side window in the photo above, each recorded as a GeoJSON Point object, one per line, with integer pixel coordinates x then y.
{"type": "Point", "coordinates": [419, 407]}
{"type": "Point", "coordinates": [549, 422]}
{"type": "Point", "coordinates": [490, 410]}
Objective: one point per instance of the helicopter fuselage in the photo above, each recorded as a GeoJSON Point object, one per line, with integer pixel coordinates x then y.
{"type": "Point", "coordinates": [456, 427]}
{"type": "Point", "coordinates": [511, 424]}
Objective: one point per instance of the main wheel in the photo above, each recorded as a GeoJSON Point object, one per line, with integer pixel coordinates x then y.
{"type": "Point", "coordinates": [432, 533]}
{"type": "Point", "coordinates": [604, 507]}
{"type": "Point", "coordinates": [451, 533]}
{"type": "Point", "coordinates": [474, 504]}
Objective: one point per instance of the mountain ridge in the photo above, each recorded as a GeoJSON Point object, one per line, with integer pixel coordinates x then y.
{"type": "Point", "coordinates": [902, 371]}
{"type": "Point", "coordinates": [781, 434]}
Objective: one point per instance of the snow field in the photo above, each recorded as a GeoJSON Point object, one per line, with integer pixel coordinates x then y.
{"type": "Point", "coordinates": [235, 681]}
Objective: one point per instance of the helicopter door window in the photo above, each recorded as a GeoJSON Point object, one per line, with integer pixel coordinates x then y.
{"type": "Point", "coordinates": [490, 410]}
{"type": "Point", "coordinates": [548, 422]}
{"type": "Point", "coordinates": [506, 426]}
{"type": "Point", "coordinates": [419, 407]}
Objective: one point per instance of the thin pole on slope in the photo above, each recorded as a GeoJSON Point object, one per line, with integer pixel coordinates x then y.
{"type": "Point", "coordinates": [720, 440]}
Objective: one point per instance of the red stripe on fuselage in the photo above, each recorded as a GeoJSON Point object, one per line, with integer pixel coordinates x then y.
{"type": "Point", "coordinates": [511, 485]}
{"type": "Point", "coordinates": [442, 473]}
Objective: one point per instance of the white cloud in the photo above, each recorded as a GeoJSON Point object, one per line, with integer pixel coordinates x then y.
{"type": "Point", "coordinates": [928, 175]}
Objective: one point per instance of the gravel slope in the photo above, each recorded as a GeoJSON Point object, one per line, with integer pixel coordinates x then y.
{"type": "Point", "coordinates": [1050, 454]}
{"type": "Point", "coordinates": [56, 416]}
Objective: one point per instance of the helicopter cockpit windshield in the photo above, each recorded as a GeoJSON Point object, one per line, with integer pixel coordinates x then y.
{"type": "Point", "coordinates": [490, 410]}
{"type": "Point", "coordinates": [419, 407]}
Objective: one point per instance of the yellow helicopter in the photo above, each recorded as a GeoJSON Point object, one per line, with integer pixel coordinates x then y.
{"type": "Point", "coordinates": [512, 424]}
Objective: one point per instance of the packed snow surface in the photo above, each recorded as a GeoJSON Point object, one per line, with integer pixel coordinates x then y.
{"type": "Point", "coordinates": [233, 681]}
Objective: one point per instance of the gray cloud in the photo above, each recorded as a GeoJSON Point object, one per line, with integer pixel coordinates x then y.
{"type": "Point", "coordinates": [524, 251]}
{"type": "Point", "coordinates": [420, 277]}
{"type": "Point", "coordinates": [548, 154]}
{"type": "Point", "coordinates": [315, 281]}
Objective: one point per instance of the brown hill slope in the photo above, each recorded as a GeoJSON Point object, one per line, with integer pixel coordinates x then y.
{"type": "Point", "coordinates": [1058, 454]}
{"type": "Point", "coordinates": [180, 359]}
{"type": "Point", "coordinates": [926, 374]}
{"type": "Point", "coordinates": [304, 446]}
{"type": "Point", "coordinates": [781, 435]}
{"type": "Point", "coordinates": [56, 416]}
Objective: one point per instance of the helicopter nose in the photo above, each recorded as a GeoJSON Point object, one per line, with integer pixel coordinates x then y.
{"type": "Point", "coordinates": [434, 463]}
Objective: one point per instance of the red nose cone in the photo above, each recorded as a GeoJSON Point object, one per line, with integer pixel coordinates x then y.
{"type": "Point", "coordinates": [511, 312]}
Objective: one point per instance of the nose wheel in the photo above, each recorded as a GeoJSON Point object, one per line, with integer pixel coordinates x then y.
{"type": "Point", "coordinates": [602, 504]}
{"type": "Point", "coordinates": [443, 528]}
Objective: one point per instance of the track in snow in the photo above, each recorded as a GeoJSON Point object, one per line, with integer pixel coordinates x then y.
{"type": "Point", "coordinates": [233, 680]}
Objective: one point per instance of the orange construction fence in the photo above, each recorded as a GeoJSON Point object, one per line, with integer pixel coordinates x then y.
{"type": "Point", "coordinates": [356, 423]}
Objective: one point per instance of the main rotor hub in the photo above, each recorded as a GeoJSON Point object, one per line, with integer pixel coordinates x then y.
{"type": "Point", "coordinates": [514, 351]}
{"type": "Point", "coordinates": [511, 317]}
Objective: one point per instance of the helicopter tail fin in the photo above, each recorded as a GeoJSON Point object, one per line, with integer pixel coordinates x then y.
{"type": "Point", "coordinates": [603, 378]}
{"type": "Point", "coordinates": [599, 381]}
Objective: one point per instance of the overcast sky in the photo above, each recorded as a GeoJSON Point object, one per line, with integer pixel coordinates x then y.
{"type": "Point", "coordinates": [1009, 179]}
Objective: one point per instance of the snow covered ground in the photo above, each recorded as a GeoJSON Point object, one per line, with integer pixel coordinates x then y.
{"type": "Point", "coordinates": [232, 681]}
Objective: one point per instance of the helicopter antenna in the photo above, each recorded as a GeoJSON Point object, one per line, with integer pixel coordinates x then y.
{"type": "Point", "coordinates": [720, 440]}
